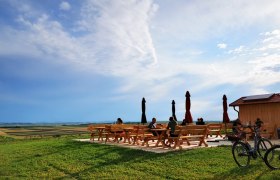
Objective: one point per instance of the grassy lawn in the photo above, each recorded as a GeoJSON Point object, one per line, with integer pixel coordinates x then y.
{"type": "Point", "coordinates": [64, 158]}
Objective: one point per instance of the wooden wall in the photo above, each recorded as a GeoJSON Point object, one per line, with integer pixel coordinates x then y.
{"type": "Point", "coordinates": [269, 113]}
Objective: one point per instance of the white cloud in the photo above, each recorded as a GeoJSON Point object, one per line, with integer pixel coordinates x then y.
{"type": "Point", "coordinates": [65, 6]}
{"type": "Point", "coordinates": [196, 21]}
{"type": "Point", "coordinates": [119, 42]}
{"type": "Point", "coordinates": [117, 32]}
{"type": "Point", "coordinates": [222, 45]}
{"type": "Point", "coordinates": [123, 28]}
{"type": "Point", "coordinates": [199, 106]}
{"type": "Point", "coordinates": [271, 42]}
{"type": "Point", "coordinates": [255, 70]}
{"type": "Point", "coordinates": [259, 68]}
{"type": "Point", "coordinates": [272, 33]}
{"type": "Point", "coordinates": [238, 50]}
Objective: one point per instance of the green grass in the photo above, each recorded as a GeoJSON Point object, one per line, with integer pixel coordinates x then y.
{"type": "Point", "coordinates": [63, 158]}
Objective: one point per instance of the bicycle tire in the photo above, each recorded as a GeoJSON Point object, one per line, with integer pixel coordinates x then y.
{"type": "Point", "coordinates": [241, 154]}
{"type": "Point", "coordinates": [262, 146]}
{"type": "Point", "coordinates": [272, 157]}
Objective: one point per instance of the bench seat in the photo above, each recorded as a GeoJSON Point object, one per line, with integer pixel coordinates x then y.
{"type": "Point", "coordinates": [189, 133]}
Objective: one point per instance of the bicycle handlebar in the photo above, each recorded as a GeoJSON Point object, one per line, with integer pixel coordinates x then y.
{"type": "Point", "coordinates": [254, 128]}
{"type": "Point", "coordinates": [248, 126]}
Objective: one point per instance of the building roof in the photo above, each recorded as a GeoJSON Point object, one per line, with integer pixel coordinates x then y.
{"type": "Point", "coordinates": [257, 99]}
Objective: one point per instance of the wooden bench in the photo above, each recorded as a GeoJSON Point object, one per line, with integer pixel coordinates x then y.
{"type": "Point", "coordinates": [145, 135]}
{"type": "Point", "coordinates": [268, 131]}
{"type": "Point", "coordinates": [92, 131]}
{"type": "Point", "coordinates": [96, 130]}
{"type": "Point", "coordinates": [176, 139]}
{"type": "Point", "coordinates": [189, 133]}
{"type": "Point", "coordinates": [131, 133]}
{"type": "Point", "coordinates": [214, 128]}
{"type": "Point", "coordinates": [114, 131]}
{"type": "Point", "coordinates": [227, 127]}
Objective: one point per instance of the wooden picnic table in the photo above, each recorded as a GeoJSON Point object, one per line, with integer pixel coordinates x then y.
{"type": "Point", "coordinates": [161, 134]}
{"type": "Point", "coordinates": [189, 133]}
{"type": "Point", "coordinates": [100, 130]}
{"type": "Point", "coordinates": [214, 128]}
{"type": "Point", "coordinates": [116, 131]}
{"type": "Point", "coordinates": [127, 131]}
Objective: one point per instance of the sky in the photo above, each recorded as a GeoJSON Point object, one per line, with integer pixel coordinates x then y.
{"type": "Point", "coordinates": [94, 60]}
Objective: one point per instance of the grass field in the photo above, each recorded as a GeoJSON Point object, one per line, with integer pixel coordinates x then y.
{"type": "Point", "coordinates": [67, 159]}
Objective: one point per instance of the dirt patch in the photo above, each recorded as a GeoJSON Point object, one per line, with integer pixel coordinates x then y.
{"type": "Point", "coordinates": [2, 133]}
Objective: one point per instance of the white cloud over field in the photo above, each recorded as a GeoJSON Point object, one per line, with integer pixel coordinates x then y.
{"type": "Point", "coordinates": [159, 45]}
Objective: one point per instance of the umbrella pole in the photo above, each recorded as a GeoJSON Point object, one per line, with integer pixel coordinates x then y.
{"type": "Point", "coordinates": [225, 130]}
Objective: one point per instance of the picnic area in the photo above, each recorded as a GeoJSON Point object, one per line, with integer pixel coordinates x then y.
{"type": "Point", "coordinates": [78, 156]}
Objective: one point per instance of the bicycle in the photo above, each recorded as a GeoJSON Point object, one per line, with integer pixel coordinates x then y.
{"type": "Point", "coordinates": [242, 151]}
{"type": "Point", "coordinates": [272, 157]}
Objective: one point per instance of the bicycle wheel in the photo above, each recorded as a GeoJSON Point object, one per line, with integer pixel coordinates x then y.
{"type": "Point", "coordinates": [240, 154]}
{"type": "Point", "coordinates": [262, 146]}
{"type": "Point", "coordinates": [272, 157]}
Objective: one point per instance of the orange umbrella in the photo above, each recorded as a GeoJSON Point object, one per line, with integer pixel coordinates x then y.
{"type": "Point", "coordinates": [188, 116]}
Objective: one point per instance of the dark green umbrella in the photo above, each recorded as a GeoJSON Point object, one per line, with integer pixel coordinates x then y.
{"type": "Point", "coordinates": [173, 110]}
{"type": "Point", "coordinates": [143, 118]}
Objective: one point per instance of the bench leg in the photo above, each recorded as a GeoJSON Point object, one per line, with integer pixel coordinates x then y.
{"type": "Point", "coordinates": [188, 142]}
{"type": "Point", "coordinates": [175, 143]}
{"type": "Point", "coordinates": [145, 141]}
{"type": "Point", "coordinates": [203, 141]}
{"type": "Point", "coordinates": [170, 141]}
{"type": "Point", "coordinates": [180, 142]}
{"type": "Point", "coordinates": [92, 136]}
{"type": "Point", "coordinates": [107, 139]}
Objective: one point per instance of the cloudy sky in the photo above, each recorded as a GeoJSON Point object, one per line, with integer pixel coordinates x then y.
{"type": "Point", "coordinates": [94, 60]}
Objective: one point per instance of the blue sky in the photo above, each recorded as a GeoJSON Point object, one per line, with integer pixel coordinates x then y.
{"type": "Point", "coordinates": [94, 60]}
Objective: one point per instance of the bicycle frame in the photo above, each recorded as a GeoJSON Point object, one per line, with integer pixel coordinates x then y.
{"type": "Point", "coordinates": [242, 148]}
{"type": "Point", "coordinates": [257, 137]}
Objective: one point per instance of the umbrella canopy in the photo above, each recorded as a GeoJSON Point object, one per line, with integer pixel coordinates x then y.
{"type": "Point", "coordinates": [173, 110]}
{"type": "Point", "coordinates": [225, 108]}
{"type": "Point", "coordinates": [188, 115]}
{"type": "Point", "coordinates": [143, 118]}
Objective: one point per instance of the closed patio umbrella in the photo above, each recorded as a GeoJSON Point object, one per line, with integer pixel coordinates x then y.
{"type": "Point", "coordinates": [188, 116]}
{"type": "Point", "coordinates": [225, 108]}
{"type": "Point", "coordinates": [143, 118]}
{"type": "Point", "coordinates": [225, 113]}
{"type": "Point", "coordinates": [173, 110]}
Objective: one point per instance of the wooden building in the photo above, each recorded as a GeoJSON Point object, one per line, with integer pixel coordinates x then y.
{"type": "Point", "coordinates": [266, 107]}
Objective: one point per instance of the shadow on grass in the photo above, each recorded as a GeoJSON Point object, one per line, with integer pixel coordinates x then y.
{"type": "Point", "coordinates": [106, 154]}
{"type": "Point", "coordinates": [63, 155]}
{"type": "Point", "coordinates": [240, 172]}
{"type": "Point", "coordinates": [74, 159]}
{"type": "Point", "coordinates": [98, 155]}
